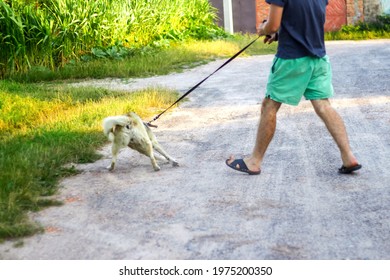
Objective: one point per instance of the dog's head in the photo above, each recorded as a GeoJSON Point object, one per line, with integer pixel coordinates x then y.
{"type": "Point", "coordinates": [119, 128]}
{"type": "Point", "coordinates": [134, 119]}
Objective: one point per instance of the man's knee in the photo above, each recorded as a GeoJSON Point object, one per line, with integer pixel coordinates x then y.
{"type": "Point", "coordinates": [270, 106]}
{"type": "Point", "coordinates": [321, 106]}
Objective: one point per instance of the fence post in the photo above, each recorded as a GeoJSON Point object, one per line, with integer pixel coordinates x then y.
{"type": "Point", "coordinates": [228, 15]}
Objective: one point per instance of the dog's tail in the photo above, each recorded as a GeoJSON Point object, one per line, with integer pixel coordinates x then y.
{"type": "Point", "coordinates": [110, 123]}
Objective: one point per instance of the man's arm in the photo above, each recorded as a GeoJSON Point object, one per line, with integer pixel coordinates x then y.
{"type": "Point", "coordinates": [272, 25]}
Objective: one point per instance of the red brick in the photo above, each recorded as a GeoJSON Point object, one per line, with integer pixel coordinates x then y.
{"type": "Point", "coordinates": [354, 11]}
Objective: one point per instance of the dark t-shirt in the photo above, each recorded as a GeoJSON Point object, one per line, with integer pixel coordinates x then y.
{"type": "Point", "coordinates": [302, 29]}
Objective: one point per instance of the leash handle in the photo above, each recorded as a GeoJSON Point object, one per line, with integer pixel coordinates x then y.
{"type": "Point", "coordinates": [201, 82]}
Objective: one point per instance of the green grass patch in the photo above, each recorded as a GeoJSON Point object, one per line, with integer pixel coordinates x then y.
{"type": "Point", "coordinates": [47, 127]}
{"type": "Point", "coordinates": [175, 57]}
{"type": "Point", "coordinates": [51, 33]}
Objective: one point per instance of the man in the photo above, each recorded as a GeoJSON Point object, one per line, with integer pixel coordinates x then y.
{"type": "Point", "coordinates": [300, 68]}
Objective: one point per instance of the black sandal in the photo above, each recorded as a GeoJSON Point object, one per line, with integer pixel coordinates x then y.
{"type": "Point", "coordinates": [239, 165]}
{"type": "Point", "coordinates": [349, 170]}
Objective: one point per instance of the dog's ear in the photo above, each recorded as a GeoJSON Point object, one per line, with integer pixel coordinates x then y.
{"type": "Point", "coordinates": [132, 123]}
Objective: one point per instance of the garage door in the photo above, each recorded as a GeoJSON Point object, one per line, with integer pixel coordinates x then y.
{"type": "Point", "coordinates": [244, 14]}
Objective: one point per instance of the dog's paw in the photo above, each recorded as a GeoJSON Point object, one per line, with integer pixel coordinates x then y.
{"type": "Point", "coordinates": [175, 163]}
{"type": "Point", "coordinates": [156, 168]}
{"type": "Point", "coordinates": [111, 167]}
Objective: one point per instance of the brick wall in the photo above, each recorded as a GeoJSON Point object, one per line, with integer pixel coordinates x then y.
{"type": "Point", "coordinates": [261, 11]}
{"type": "Point", "coordinates": [354, 10]}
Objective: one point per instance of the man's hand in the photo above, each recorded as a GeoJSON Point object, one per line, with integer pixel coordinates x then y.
{"type": "Point", "coordinates": [270, 38]}
{"type": "Point", "coordinates": [261, 31]}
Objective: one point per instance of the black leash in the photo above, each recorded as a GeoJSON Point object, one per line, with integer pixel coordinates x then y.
{"type": "Point", "coordinates": [201, 82]}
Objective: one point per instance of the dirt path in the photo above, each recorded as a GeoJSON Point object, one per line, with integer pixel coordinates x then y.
{"type": "Point", "coordinates": [298, 208]}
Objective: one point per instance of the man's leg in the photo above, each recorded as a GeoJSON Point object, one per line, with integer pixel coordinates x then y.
{"type": "Point", "coordinates": [265, 133]}
{"type": "Point", "coordinates": [336, 127]}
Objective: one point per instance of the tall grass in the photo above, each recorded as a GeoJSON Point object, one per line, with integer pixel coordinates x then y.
{"type": "Point", "coordinates": [50, 33]}
{"type": "Point", "coordinates": [43, 128]}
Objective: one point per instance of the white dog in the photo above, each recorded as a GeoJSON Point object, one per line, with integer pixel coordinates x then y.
{"type": "Point", "coordinates": [129, 130]}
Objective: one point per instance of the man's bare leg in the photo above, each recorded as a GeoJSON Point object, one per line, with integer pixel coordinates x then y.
{"type": "Point", "coordinates": [265, 133]}
{"type": "Point", "coordinates": [336, 128]}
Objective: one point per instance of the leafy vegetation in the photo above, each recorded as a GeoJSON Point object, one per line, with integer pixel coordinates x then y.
{"type": "Point", "coordinates": [52, 33]}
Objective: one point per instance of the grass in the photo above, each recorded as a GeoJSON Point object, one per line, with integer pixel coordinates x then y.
{"type": "Point", "coordinates": [51, 33]}
{"type": "Point", "coordinates": [47, 126]}
{"type": "Point", "coordinates": [175, 57]}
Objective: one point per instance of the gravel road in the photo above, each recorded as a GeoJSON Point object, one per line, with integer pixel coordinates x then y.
{"type": "Point", "coordinates": [298, 208]}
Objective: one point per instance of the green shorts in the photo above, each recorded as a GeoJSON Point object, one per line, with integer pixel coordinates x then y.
{"type": "Point", "coordinates": [290, 79]}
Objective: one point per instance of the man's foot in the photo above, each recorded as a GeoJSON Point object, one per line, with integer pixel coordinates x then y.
{"type": "Point", "coordinates": [350, 163]}
{"type": "Point", "coordinates": [240, 165]}
{"type": "Point", "coordinates": [349, 170]}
